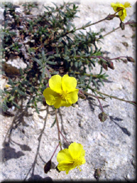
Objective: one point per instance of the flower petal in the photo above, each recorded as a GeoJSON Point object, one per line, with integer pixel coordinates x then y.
{"type": "Point", "coordinates": [64, 157]}
{"type": "Point", "coordinates": [55, 83]}
{"type": "Point", "coordinates": [57, 104]}
{"type": "Point", "coordinates": [71, 158]}
{"type": "Point", "coordinates": [65, 167]}
{"type": "Point", "coordinates": [50, 96]}
{"type": "Point", "coordinates": [72, 97]}
{"type": "Point", "coordinates": [65, 103]}
{"type": "Point", "coordinates": [68, 83]}
{"type": "Point", "coordinates": [122, 14]}
{"type": "Point", "coordinates": [127, 4]}
{"type": "Point", "coordinates": [116, 7]}
{"type": "Point", "coordinates": [76, 150]}
{"type": "Point", "coordinates": [65, 161]}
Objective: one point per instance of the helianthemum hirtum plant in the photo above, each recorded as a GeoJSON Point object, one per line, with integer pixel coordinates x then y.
{"type": "Point", "coordinates": [57, 56]}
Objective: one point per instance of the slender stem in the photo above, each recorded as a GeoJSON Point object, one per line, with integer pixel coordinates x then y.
{"type": "Point", "coordinates": [93, 95]}
{"type": "Point", "coordinates": [99, 57]}
{"type": "Point", "coordinates": [82, 93]}
{"type": "Point", "coordinates": [100, 104]}
{"type": "Point", "coordinates": [58, 129]}
{"type": "Point", "coordinates": [111, 96]}
{"type": "Point", "coordinates": [83, 27]}
{"type": "Point", "coordinates": [106, 18]}
{"type": "Point", "coordinates": [54, 151]}
{"type": "Point", "coordinates": [117, 58]}
{"type": "Point", "coordinates": [107, 33]}
{"type": "Point", "coordinates": [63, 137]}
{"type": "Point", "coordinates": [127, 23]}
{"type": "Point", "coordinates": [93, 75]}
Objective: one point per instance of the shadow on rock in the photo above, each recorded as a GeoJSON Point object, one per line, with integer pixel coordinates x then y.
{"type": "Point", "coordinates": [124, 130]}
{"type": "Point", "coordinates": [39, 178]}
{"type": "Point", "coordinates": [9, 152]}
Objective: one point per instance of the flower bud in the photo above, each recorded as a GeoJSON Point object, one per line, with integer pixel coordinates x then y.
{"type": "Point", "coordinates": [47, 166]}
{"type": "Point", "coordinates": [102, 116]}
{"type": "Point", "coordinates": [110, 65]}
{"type": "Point", "coordinates": [122, 25]}
{"type": "Point", "coordinates": [110, 17]}
{"type": "Point", "coordinates": [130, 59]}
{"type": "Point", "coordinates": [105, 66]}
{"type": "Point", "coordinates": [103, 63]}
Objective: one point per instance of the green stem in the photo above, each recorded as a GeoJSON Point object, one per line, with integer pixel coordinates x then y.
{"type": "Point", "coordinates": [85, 74]}
{"type": "Point", "coordinates": [107, 33]}
{"type": "Point", "coordinates": [127, 23]}
{"type": "Point", "coordinates": [111, 96]}
{"type": "Point", "coordinates": [83, 27]}
{"type": "Point", "coordinates": [92, 95]}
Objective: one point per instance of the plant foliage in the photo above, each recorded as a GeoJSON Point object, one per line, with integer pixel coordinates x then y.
{"type": "Point", "coordinates": [49, 44]}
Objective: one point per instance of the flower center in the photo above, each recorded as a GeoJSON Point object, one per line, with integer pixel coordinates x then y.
{"type": "Point", "coordinates": [63, 95]}
{"type": "Point", "coordinates": [77, 163]}
{"type": "Point", "coordinates": [119, 9]}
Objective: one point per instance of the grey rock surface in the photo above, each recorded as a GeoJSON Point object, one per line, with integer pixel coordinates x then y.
{"type": "Point", "coordinates": [109, 145]}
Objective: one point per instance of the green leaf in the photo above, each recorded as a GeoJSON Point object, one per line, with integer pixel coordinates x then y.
{"type": "Point", "coordinates": [4, 106]}
{"type": "Point", "coordinates": [52, 63]}
{"type": "Point", "coordinates": [10, 82]}
{"type": "Point", "coordinates": [36, 109]}
{"type": "Point", "coordinates": [1, 92]}
{"type": "Point", "coordinates": [16, 105]}
{"type": "Point", "coordinates": [76, 64]}
{"type": "Point", "coordinates": [53, 123]}
{"type": "Point", "coordinates": [21, 92]}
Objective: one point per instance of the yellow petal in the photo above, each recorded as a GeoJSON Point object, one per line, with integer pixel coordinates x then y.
{"type": "Point", "coordinates": [55, 83]}
{"type": "Point", "coordinates": [65, 161]}
{"type": "Point", "coordinates": [83, 160]}
{"type": "Point", "coordinates": [50, 96]}
{"type": "Point", "coordinates": [64, 157]}
{"type": "Point", "coordinates": [116, 7]}
{"type": "Point", "coordinates": [127, 4]}
{"type": "Point", "coordinates": [65, 167]}
{"type": "Point", "coordinates": [113, 5]}
{"type": "Point", "coordinates": [68, 83]}
{"type": "Point", "coordinates": [72, 97]}
{"type": "Point", "coordinates": [65, 103]}
{"type": "Point", "coordinates": [57, 104]}
{"type": "Point", "coordinates": [122, 14]}
{"type": "Point", "coordinates": [76, 150]}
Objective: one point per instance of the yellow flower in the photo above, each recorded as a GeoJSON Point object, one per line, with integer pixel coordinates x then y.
{"type": "Point", "coordinates": [121, 9]}
{"type": "Point", "coordinates": [61, 91]}
{"type": "Point", "coordinates": [71, 158]}
{"type": "Point", "coordinates": [7, 86]}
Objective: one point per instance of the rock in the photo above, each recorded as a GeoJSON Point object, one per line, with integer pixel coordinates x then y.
{"type": "Point", "coordinates": [109, 146]}
{"type": "Point", "coordinates": [17, 62]}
